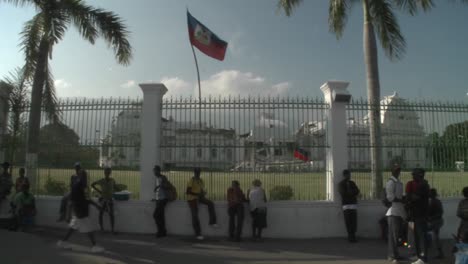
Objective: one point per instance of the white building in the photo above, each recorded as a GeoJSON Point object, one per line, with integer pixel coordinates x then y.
{"type": "Point", "coordinates": [402, 137]}
{"type": "Point", "coordinates": [184, 144]}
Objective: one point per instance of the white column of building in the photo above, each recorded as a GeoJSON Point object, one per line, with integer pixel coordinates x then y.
{"type": "Point", "coordinates": [337, 96]}
{"type": "Point", "coordinates": [151, 133]}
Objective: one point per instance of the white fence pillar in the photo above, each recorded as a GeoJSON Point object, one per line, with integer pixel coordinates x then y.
{"type": "Point", "coordinates": [151, 133]}
{"type": "Point", "coordinates": [337, 96]}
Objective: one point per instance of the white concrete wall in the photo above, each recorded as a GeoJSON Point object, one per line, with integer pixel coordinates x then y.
{"type": "Point", "coordinates": [285, 219]}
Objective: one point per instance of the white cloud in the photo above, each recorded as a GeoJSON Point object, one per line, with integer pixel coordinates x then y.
{"type": "Point", "coordinates": [128, 84]}
{"type": "Point", "coordinates": [61, 83]}
{"type": "Point", "coordinates": [225, 83]}
{"type": "Point", "coordinates": [66, 89]}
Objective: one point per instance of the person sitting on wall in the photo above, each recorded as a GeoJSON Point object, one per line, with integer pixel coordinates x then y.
{"type": "Point", "coordinates": [24, 208]}
{"type": "Point", "coordinates": [196, 194]}
{"type": "Point", "coordinates": [258, 209]}
{"type": "Point", "coordinates": [21, 180]}
{"type": "Point", "coordinates": [236, 199]}
{"type": "Point", "coordinates": [106, 191]}
{"type": "Point", "coordinates": [349, 193]}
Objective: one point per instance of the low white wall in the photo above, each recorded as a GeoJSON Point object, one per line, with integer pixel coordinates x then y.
{"type": "Point", "coordinates": [285, 219]}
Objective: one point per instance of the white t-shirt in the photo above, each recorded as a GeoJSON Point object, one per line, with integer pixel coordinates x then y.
{"type": "Point", "coordinates": [256, 198]}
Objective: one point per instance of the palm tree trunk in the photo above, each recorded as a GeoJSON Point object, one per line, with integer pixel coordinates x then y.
{"type": "Point", "coordinates": [373, 98]}
{"type": "Point", "coordinates": [34, 123]}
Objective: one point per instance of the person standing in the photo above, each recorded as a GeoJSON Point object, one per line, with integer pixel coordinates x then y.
{"type": "Point", "coordinates": [462, 213]}
{"type": "Point", "coordinates": [236, 199]}
{"type": "Point", "coordinates": [5, 181]}
{"type": "Point", "coordinates": [106, 191]}
{"type": "Point", "coordinates": [418, 206]}
{"type": "Point", "coordinates": [161, 193]}
{"type": "Point", "coordinates": [395, 213]}
{"type": "Point", "coordinates": [65, 207]}
{"type": "Point", "coordinates": [196, 194]}
{"type": "Point", "coordinates": [258, 209]}
{"type": "Point", "coordinates": [436, 220]}
{"type": "Point", "coordinates": [80, 214]}
{"type": "Point", "coordinates": [349, 193]}
{"type": "Point", "coordinates": [21, 180]}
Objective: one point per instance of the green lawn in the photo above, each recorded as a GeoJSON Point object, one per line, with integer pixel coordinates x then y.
{"type": "Point", "coordinates": [305, 186]}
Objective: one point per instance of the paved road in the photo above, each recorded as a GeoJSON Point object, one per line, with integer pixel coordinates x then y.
{"type": "Point", "coordinates": [39, 247]}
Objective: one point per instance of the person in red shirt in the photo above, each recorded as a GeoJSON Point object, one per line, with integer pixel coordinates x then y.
{"type": "Point", "coordinates": [236, 199]}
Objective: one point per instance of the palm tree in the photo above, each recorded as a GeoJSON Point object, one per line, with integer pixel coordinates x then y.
{"type": "Point", "coordinates": [380, 20]}
{"type": "Point", "coordinates": [46, 29]}
{"type": "Point", "coordinates": [17, 88]}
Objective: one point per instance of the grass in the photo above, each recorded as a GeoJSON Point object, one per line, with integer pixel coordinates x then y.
{"type": "Point", "coordinates": [306, 186]}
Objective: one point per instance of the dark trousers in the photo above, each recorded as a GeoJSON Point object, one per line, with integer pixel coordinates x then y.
{"type": "Point", "coordinates": [420, 238]}
{"type": "Point", "coordinates": [394, 230]}
{"type": "Point", "coordinates": [159, 216]}
{"type": "Point", "coordinates": [193, 204]}
{"type": "Point", "coordinates": [350, 217]}
{"type": "Point", "coordinates": [236, 211]}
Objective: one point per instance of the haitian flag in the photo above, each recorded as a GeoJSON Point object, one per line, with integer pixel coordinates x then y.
{"type": "Point", "coordinates": [301, 154]}
{"type": "Point", "coordinates": [205, 40]}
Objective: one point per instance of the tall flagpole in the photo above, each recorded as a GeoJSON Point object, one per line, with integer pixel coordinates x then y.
{"type": "Point", "coordinates": [199, 86]}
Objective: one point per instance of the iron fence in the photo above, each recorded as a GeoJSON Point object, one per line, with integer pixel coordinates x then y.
{"type": "Point", "coordinates": [281, 141]}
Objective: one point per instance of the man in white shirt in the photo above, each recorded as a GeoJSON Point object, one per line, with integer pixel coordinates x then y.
{"type": "Point", "coordinates": [395, 214]}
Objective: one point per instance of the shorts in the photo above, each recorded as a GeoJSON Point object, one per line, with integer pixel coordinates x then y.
{"type": "Point", "coordinates": [83, 225]}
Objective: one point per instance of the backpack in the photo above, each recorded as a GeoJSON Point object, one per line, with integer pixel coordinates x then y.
{"type": "Point", "coordinates": [385, 201]}
{"type": "Point", "coordinates": [171, 191]}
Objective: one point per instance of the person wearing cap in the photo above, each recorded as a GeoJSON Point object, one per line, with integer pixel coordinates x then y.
{"type": "Point", "coordinates": [65, 207]}
{"type": "Point", "coordinates": [258, 209]}
{"type": "Point", "coordinates": [6, 182]}
{"type": "Point", "coordinates": [418, 206]}
{"type": "Point", "coordinates": [106, 188]}
{"type": "Point", "coordinates": [395, 214]}
{"type": "Point", "coordinates": [349, 193]}
{"type": "Point", "coordinates": [196, 194]}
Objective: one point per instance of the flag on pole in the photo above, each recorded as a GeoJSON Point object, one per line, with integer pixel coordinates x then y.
{"type": "Point", "coordinates": [205, 40]}
{"type": "Point", "coordinates": [301, 154]}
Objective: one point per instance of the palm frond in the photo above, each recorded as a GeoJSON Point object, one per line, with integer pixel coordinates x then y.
{"type": "Point", "coordinates": [20, 3]}
{"type": "Point", "coordinates": [413, 6]}
{"type": "Point", "coordinates": [338, 16]}
{"type": "Point", "coordinates": [18, 95]}
{"type": "Point", "coordinates": [31, 36]}
{"type": "Point", "coordinates": [388, 29]}
{"type": "Point", "coordinates": [93, 22]}
{"type": "Point", "coordinates": [58, 24]}
{"type": "Point", "coordinates": [49, 98]}
{"type": "Point", "coordinates": [288, 6]}
{"type": "Point", "coordinates": [79, 15]}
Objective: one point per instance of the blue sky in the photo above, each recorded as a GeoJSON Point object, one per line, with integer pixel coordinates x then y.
{"type": "Point", "coordinates": [268, 53]}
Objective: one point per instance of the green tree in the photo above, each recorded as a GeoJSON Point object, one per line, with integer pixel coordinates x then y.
{"type": "Point", "coordinates": [379, 22]}
{"type": "Point", "coordinates": [46, 29]}
{"type": "Point", "coordinates": [60, 147]}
